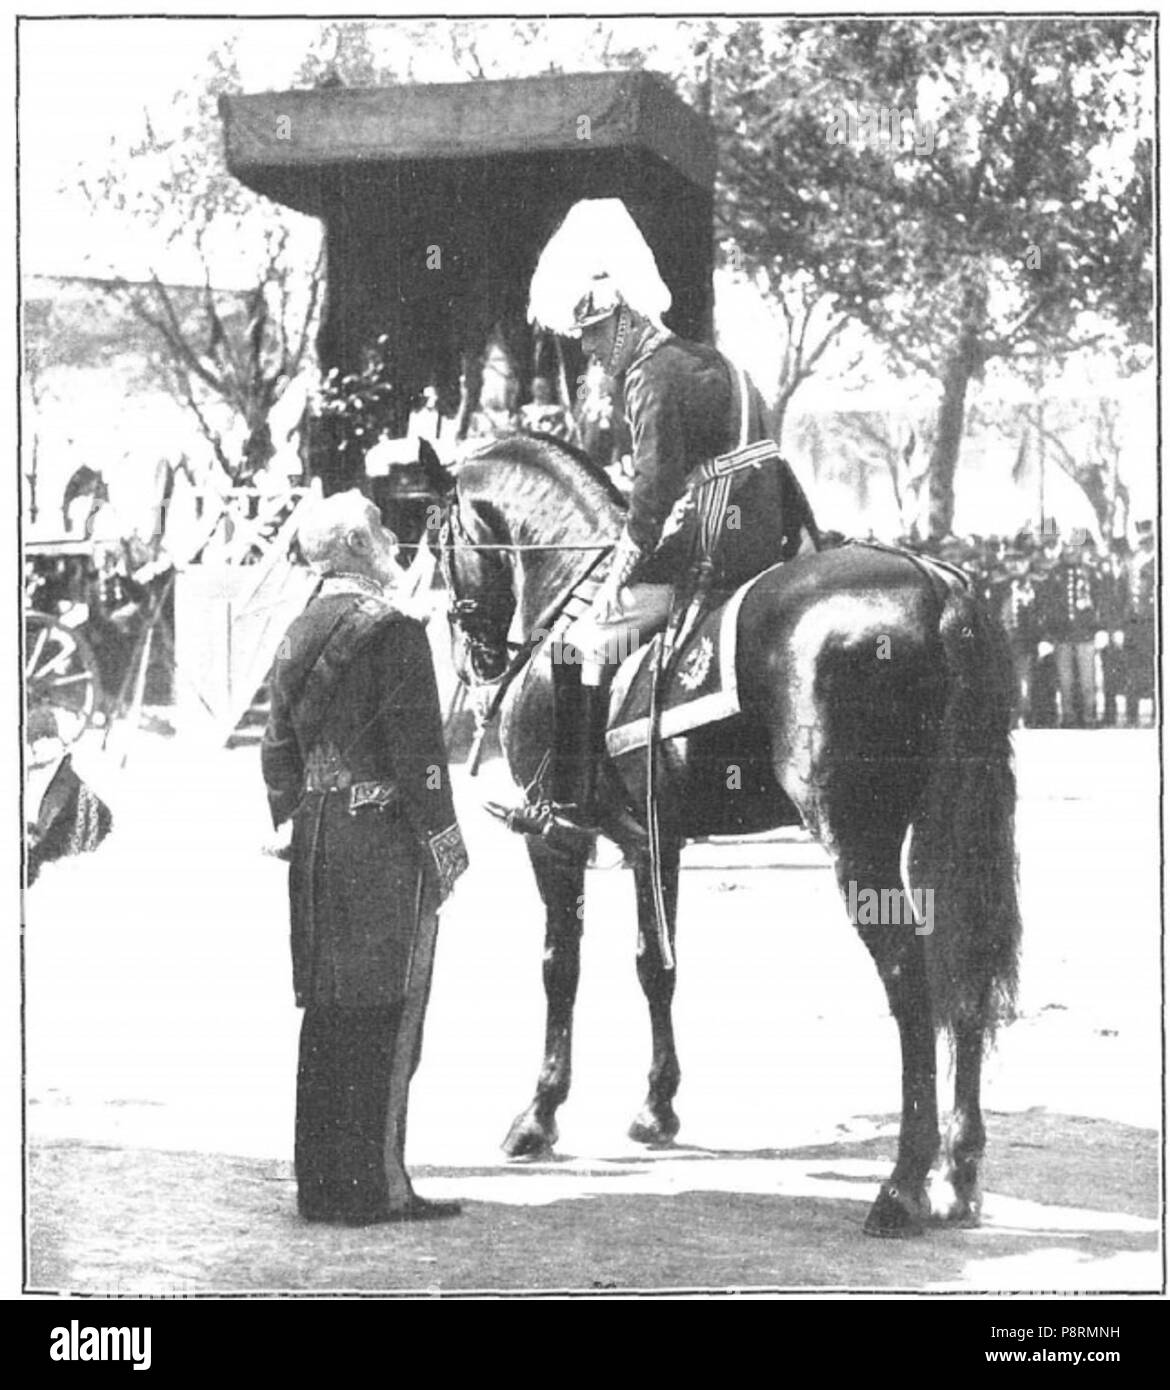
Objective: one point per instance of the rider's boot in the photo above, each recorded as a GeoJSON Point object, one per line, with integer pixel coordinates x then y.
{"type": "Point", "coordinates": [567, 820]}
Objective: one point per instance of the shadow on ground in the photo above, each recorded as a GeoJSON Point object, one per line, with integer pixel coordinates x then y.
{"type": "Point", "coordinates": [1072, 1203]}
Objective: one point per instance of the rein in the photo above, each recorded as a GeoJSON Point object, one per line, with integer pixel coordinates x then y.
{"type": "Point", "coordinates": [463, 610]}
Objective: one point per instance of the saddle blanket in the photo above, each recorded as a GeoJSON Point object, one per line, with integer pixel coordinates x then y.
{"type": "Point", "coordinates": [700, 688]}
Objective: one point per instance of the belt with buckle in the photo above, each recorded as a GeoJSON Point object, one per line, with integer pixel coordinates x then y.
{"type": "Point", "coordinates": [361, 793]}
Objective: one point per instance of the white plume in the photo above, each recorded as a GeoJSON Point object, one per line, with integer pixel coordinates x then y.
{"type": "Point", "coordinates": [597, 248]}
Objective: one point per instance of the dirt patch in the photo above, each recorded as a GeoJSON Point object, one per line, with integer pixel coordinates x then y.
{"type": "Point", "coordinates": [1072, 1199]}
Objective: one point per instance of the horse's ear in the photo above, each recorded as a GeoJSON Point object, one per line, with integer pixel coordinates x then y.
{"type": "Point", "coordinates": [439, 480]}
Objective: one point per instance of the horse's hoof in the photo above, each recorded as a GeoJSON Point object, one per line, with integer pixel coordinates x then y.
{"type": "Point", "coordinates": [895, 1215]}
{"type": "Point", "coordinates": [528, 1138]}
{"type": "Point", "coordinates": [657, 1129]}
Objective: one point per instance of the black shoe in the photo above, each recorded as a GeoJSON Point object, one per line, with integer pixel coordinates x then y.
{"type": "Point", "coordinates": [417, 1209]}
{"type": "Point", "coordinates": [423, 1209]}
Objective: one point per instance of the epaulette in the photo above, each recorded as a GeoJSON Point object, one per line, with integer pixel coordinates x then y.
{"type": "Point", "coordinates": [379, 609]}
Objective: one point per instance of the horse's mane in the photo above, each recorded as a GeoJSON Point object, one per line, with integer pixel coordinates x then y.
{"type": "Point", "coordinates": [554, 456]}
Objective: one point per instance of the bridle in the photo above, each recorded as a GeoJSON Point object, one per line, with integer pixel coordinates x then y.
{"type": "Point", "coordinates": [476, 618]}
{"type": "Point", "coordinates": [479, 620]}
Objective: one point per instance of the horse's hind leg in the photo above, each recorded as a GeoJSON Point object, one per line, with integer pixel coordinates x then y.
{"type": "Point", "coordinates": [902, 1207]}
{"type": "Point", "coordinates": [561, 884]}
{"type": "Point", "coordinates": [656, 1122]}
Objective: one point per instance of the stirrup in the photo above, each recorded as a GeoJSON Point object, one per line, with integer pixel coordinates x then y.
{"type": "Point", "coordinates": [551, 820]}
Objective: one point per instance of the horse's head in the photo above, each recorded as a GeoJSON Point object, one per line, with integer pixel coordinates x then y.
{"type": "Point", "coordinates": [525, 517]}
{"type": "Point", "coordinates": [480, 588]}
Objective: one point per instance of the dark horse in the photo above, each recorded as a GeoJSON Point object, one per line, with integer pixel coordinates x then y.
{"type": "Point", "coordinates": [876, 704]}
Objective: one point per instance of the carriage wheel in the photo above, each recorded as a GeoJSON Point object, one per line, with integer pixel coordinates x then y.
{"type": "Point", "coordinates": [60, 674]}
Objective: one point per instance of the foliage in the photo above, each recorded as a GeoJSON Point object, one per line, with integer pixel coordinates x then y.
{"type": "Point", "coordinates": [1082, 438]}
{"type": "Point", "coordinates": [1010, 219]}
{"type": "Point", "coordinates": [229, 367]}
{"type": "Point", "coordinates": [359, 404]}
{"type": "Point", "coordinates": [1013, 222]}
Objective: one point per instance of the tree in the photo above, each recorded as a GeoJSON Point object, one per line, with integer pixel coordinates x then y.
{"type": "Point", "coordinates": [806, 327]}
{"type": "Point", "coordinates": [966, 189]}
{"type": "Point", "coordinates": [1082, 437]}
{"type": "Point", "coordinates": [230, 356]}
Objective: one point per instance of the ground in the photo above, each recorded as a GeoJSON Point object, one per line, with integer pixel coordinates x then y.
{"type": "Point", "coordinates": [160, 1056]}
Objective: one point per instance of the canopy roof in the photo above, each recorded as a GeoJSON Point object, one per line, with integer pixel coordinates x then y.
{"type": "Point", "coordinates": [273, 136]}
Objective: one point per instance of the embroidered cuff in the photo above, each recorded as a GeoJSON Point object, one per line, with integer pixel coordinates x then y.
{"type": "Point", "coordinates": [450, 856]}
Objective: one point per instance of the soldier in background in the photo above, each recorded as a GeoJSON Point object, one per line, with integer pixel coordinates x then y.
{"type": "Point", "coordinates": [1015, 602]}
{"type": "Point", "coordinates": [545, 415]}
{"type": "Point", "coordinates": [1044, 713]}
{"type": "Point", "coordinates": [496, 415]}
{"type": "Point", "coordinates": [1070, 600]}
{"type": "Point", "coordinates": [1116, 601]}
{"type": "Point", "coordinates": [1139, 641]}
{"type": "Point", "coordinates": [353, 755]}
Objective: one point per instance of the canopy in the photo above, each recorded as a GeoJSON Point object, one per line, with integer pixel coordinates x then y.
{"type": "Point", "coordinates": [275, 139]}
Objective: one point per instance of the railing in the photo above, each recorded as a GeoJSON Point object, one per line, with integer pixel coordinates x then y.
{"type": "Point", "coordinates": [238, 527]}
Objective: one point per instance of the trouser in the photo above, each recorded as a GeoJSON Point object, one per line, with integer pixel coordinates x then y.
{"type": "Point", "coordinates": [1113, 676]}
{"type": "Point", "coordinates": [353, 1083]}
{"type": "Point", "coordinates": [605, 643]}
{"type": "Point", "coordinates": [343, 1089]}
{"type": "Point", "coordinates": [1024, 661]}
{"type": "Point", "coordinates": [1140, 667]}
{"type": "Point", "coordinates": [1043, 713]}
{"type": "Point", "coordinates": [1076, 672]}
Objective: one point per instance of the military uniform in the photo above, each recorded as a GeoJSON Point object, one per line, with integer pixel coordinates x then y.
{"type": "Point", "coordinates": [1140, 633]}
{"type": "Point", "coordinates": [597, 280]}
{"type": "Point", "coordinates": [1015, 601]}
{"type": "Point", "coordinates": [354, 754]}
{"type": "Point", "coordinates": [1071, 599]}
{"type": "Point", "coordinates": [683, 406]}
{"type": "Point", "coordinates": [1115, 589]}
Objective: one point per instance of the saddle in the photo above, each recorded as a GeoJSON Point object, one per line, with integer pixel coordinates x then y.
{"type": "Point", "coordinates": [698, 684]}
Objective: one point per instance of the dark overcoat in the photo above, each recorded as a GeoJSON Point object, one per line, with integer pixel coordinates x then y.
{"type": "Point", "coordinates": [354, 753]}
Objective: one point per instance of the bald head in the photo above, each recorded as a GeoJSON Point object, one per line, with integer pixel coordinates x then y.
{"type": "Point", "coordinates": [344, 534]}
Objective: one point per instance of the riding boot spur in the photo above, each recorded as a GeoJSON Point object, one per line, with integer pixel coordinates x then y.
{"type": "Point", "coordinates": [566, 818]}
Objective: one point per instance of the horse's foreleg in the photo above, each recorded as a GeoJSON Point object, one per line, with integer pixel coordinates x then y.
{"type": "Point", "coordinates": [656, 1122]}
{"type": "Point", "coordinates": [534, 1131]}
{"type": "Point", "coordinates": [955, 1195]}
{"type": "Point", "coordinates": [902, 1206]}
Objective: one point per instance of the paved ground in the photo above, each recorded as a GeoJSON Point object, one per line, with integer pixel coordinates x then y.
{"type": "Point", "coordinates": [161, 1038]}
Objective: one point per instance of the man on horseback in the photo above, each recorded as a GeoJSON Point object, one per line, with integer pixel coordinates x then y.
{"type": "Point", "coordinates": [685, 404]}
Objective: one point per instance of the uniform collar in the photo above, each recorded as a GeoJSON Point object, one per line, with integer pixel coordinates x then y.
{"type": "Point", "coordinates": [347, 583]}
{"type": "Point", "coordinates": [651, 340]}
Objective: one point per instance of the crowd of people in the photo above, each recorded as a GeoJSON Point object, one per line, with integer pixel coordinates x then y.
{"type": "Point", "coordinates": [1080, 619]}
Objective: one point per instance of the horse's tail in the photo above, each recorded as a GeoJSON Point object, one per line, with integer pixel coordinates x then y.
{"type": "Point", "coordinates": [963, 835]}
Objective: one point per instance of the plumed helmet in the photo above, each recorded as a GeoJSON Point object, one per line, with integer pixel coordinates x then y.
{"type": "Point", "coordinates": [594, 262]}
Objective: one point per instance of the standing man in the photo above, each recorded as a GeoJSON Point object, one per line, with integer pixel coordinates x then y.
{"type": "Point", "coordinates": [354, 755]}
{"type": "Point", "coordinates": [1071, 600]}
{"type": "Point", "coordinates": [685, 403]}
{"type": "Point", "coordinates": [1140, 643]}
{"type": "Point", "coordinates": [1115, 610]}
{"type": "Point", "coordinates": [544, 414]}
{"type": "Point", "coordinates": [1014, 599]}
